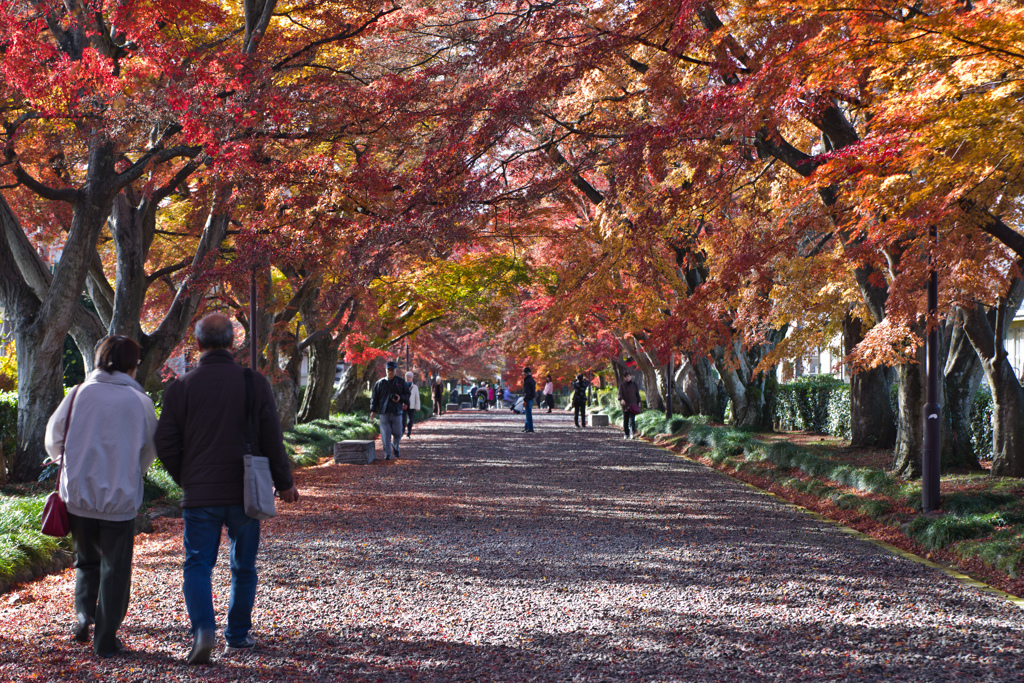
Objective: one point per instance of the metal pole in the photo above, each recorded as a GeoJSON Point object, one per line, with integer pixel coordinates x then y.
{"type": "Point", "coordinates": [671, 388]}
{"type": "Point", "coordinates": [254, 328]}
{"type": "Point", "coordinates": [932, 410]}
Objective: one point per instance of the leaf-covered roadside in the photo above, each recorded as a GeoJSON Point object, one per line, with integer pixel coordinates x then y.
{"type": "Point", "coordinates": [979, 528]}
{"type": "Point", "coordinates": [25, 553]}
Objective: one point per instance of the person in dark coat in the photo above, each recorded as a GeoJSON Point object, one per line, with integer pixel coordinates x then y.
{"type": "Point", "coordinates": [201, 440]}
{"type": "Point", "coordinates": [438, 393]}
{"type": "Point", "coordinates": [579, 400]}
{"type": "Point", "coordinates": [390, 400]}
{"type": "Point", "coordinates": [529, 395]}
{"type": "Point", "coordinates": [629, 399]}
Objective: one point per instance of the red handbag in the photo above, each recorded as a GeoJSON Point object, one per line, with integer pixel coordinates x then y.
{"type": "Point", "coordinates": [55, 512]}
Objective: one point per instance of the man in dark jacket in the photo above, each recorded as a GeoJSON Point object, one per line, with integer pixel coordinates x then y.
{"type": "Point", "coordinates": [390, 399]}
{"type": "Point", "coordinates": [529, 394]}
{"type": "Point", "coordinates": [629, 399]}
{"type": "Point", "coordinates": [579, 400]}
{"type": "Point", "coordinates": [201, 440]}
{"type": "Point", "coordinates": [438, 394]}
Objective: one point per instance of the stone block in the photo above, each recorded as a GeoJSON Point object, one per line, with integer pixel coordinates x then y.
{"type": "Point", "coordinates": [355, 452]}
{"type": "Point", "coordinates": [465, 406]}
{"type": "Point", "coordinates": [598, 420]}
{"type": "Point", "coordinates": [452, 406]}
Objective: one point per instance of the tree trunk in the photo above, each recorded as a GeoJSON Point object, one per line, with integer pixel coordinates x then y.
{"type": "Point", "coordinates": [348, 389]}
{"type": "Point", "coordinates": [961, 376]}
{"type": "Point", "coordinates": [987, 333]}
{"type": "Point", "coordinates": [872, 421]}
{"type": "Point", "coordinates": [910, 378]}
{"type": "Point", "coordinates": [712, 397]}
{"type": "Point", "coordinates": [323, 365]}
{"type": "Point", "coordinates": [752, 395]}
{"type": "Point", "coordinates": [684, 395]}
{"type": "Point", "coordinates": [40, 391]}
{"type": "Point", "coordinates": [42, 323]}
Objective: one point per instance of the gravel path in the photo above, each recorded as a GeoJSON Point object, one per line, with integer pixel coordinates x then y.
{"type": "Point", "coordinates": [490, 555]}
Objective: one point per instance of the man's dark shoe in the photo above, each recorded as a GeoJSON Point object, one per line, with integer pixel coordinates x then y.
{"type": "Point", "coordinates": [118, 649]}
{"type": "Point", "coordinates": [202, 647]}
{"type": "Point", "coordinates": [248, 644]}
{"type": "Point", "coordinates": [80, 631]}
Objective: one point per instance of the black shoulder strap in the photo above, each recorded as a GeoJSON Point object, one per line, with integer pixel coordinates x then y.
{"type": "Point", "coordinates": [250, 413]}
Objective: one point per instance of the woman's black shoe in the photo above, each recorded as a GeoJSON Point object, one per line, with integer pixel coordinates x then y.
{"type": "Point", "coordinates": [80, 631]}
{"type": "Point", "coordinates": [118, 649]}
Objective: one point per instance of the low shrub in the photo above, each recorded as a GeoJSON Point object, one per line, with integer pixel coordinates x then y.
{"type": "Point", "coordinates": [309, 442]}
{"type": "Point", "coordinates": [976, 502]}
{"type": "Point", "coordinates": [24, 550]}
{"type": "Point", "coordinates": [158, 487]}
{"type": "Point", "coordinates": [939, 532]}
{"type": "Point", "coordinates": [1006, 555]}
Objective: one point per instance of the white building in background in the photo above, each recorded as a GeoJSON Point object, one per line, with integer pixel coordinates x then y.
{"type": "Point", "coordinates": [1015, 344]}
{"type": "Point", "coordinates": [825, 359]}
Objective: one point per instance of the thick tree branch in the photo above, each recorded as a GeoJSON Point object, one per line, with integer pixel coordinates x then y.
{"type": "Point", "coordinates": [419, 327]}
{"type": "Point", "coordinates": [69, 195]}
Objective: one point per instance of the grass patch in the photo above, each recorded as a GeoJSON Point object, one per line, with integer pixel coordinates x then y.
{"type": "Point", "coordinates": [984, 518]}
{"type": "Point", "coordinates": [936, 533]}
{"type": "Point", "coordinates": [1005, 554]}
{"type": "Point", "coordinates": [24, 550]}
{"type": "Point", "coordinates": [308, 443]}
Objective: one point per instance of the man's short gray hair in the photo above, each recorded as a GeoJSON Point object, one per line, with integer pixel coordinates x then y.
{"type": "Point", "coordinates": [215, 331]}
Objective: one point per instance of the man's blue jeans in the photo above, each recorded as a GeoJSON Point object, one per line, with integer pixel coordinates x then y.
{"type": "Point", "coordinates": [391, 429]}
{"type": "Point", "coordinates": [202, 540]}
{"type": "Point", "coordinates": [528, 409]}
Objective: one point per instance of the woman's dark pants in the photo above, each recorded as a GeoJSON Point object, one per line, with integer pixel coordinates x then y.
{"type": "Point", "coordinates": [103, 563]}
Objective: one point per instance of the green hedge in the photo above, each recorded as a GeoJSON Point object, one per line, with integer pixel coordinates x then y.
{"type": "Point", "coordinates": [9, 422]}
{"type": "Point", "coordinates": [981, 423]}
{"type": "Point", "coordinates": [819, 404]}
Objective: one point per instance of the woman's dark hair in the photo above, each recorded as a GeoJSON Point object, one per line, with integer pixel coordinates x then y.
{"type": "Point", "coordinates": [117, 353]}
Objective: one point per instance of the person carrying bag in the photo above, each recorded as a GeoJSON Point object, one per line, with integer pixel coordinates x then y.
{"type": "Point", "coordinates": [258, 488]}
{"type": "Point", "coordinates": [103, 433]}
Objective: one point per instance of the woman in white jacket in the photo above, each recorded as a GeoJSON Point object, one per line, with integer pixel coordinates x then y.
{"type": "Point", "coordinates": [109, 448]}
{"type": "Point", "coordinates": [414, 402]}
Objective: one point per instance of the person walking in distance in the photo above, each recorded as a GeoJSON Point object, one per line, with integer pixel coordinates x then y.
{"type": "Point", "coordinates": [438, 395]}
{"type": "Point", "coordinates": [529, 394]}
{"type": "Point", "coordinates": [579, 400]}
{"type": "Point", "coordinates": [389, 399]}
{"type": "Point", "coordinates": [629, 399]}
{"type": "Point", "coordinates": [549, 393]}
{"type": "Point", "coordinates": [201, 440]}
{"type": "Point", "coordinates": [413, 402]}
{"type": "Point", "coordinates": [107, 446]}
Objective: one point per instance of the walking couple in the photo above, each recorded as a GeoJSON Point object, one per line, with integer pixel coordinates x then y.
{"type": "Point", "coordinates": [107, 434]}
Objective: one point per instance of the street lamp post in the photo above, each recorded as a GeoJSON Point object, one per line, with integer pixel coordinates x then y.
{"type": "Point", "coordinates": [670, 385]}
{"type": "Point", "coordinates": [254, 331]}
{"type": "Point", "coordinates": [932, 409]}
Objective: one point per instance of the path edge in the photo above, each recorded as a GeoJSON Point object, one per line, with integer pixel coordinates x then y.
{"type": "Point", "coordinates": [849, 531]}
